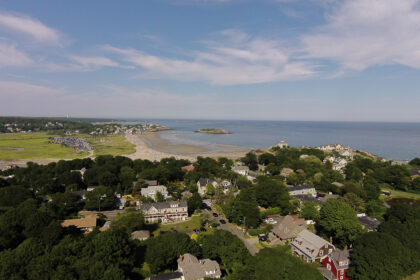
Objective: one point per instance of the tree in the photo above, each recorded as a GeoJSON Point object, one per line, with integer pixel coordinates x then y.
{"type": "Point", "coordinates": [130, 221]}
{"type": "Point", "coordinates": [12, 196]}
{"type": "Point", "coordinates": [63, 205]}
{"type": "Point", "coordinates": [194, 202]}
{"type": "Point", "coordinates": [250, 159]}
{"type": "Point", "coordinates": [163, 251]}
{"type": "Point", "coordinates": [127, 176]}
{"type": "Point", "coordinates": [415, 162]}
{"type": "Point", "coordinates": [270, 193]}
{"type": "Point", "coordinates": [371, 258]}
{"type": "Point", "coordinates": [339, 220]}
{"type": "Point", "coordinates": [277, 263]}
{"type": "Point", "coordinates": [354, 201]}
{"type": "Point", "coordinates": [310, 211]}
{"type": "Point", "coordinates": [372, 188]}
{"type": "Point", "coordinates": [353, 173]}
{"type": "Point", "coordinates": [100, 197]}
{"type": "Point", "coordinates": [159, 197]}
{"type": "Point", "coordinates": [210, 190]}
{"type": "Point", "coordinates": [107, 179]}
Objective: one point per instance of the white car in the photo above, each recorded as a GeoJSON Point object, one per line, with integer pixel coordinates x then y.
{"type": "Point", "coordinates": [270, 221]}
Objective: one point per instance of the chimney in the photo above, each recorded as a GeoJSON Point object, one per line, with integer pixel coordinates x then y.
{"type": "Point", "coordinates": [345, 249]}
{"type": "Point", "coordinates": [180, 259]}
{"type": "Point", "coordinates": [331, 240]}
{"type": "Point", "coordinates": [202, 262]}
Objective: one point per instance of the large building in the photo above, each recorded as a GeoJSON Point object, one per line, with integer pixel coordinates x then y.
{"type": "Point", "coordinates": [289, 228]}
{"type": "Point", "coordinates": [166, 212]}
{"type": "Point", "coordinates": [302, 190]}
{"type": "Point", "coordinates": [335, 265]}
{"type": "Point", "coordinates": [310, 247]}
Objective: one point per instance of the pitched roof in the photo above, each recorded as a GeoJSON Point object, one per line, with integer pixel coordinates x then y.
{"type": "Point", "coordinates": [163, 205]}
{"type": "Point", "coordinates": [369, 222]}
{"type": "Point", "coordinates": [167, 276]}
{"type": "Point", "coordinates": [304, 197]}
{"type": "Point", "coordinates": [140, 234]}
{"type": "Point", "coordinates": [192, 268]}
{"type": "Point", "coordinates": [240, 168]}
{"type": "Point", "coordinates": [309, 243]}
{"type": "Point", "coordinates": [86, 222]}
{"type": "Point", "coordinates": [289, 227]}
{"type": "Point", "coordinates": [154, 189]}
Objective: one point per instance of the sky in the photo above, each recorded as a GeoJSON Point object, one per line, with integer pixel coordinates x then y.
{"type": "Point", "coordinates": [330, 60]}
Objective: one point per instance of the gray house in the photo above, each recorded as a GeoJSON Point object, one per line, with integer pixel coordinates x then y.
{"type": "Point", "coordinates": [194, 269]}
{"type": "Point", "coordinates": [310, 247]}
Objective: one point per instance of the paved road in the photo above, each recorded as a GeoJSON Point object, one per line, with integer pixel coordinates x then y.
{"type": "Point", "coordinates": [249, 242]}
{"type": "Point", "coordinates": [109, 214]}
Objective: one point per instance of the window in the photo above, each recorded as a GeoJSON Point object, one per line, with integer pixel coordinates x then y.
{"type": "Point", "coordinates": [328, 266]}
{"type": "Point", "coordinates": [321, 253]}
{"type": "Point", "coordinates": [329, 251]}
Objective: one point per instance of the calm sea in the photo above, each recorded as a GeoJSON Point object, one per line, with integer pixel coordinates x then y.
{"type": "Point", "coordinates": [390, 140]}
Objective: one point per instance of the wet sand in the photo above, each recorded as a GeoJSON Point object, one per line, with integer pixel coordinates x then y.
{"type": "Point", "coordinates": [151, 146]}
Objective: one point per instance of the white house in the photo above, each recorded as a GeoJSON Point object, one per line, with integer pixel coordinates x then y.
{"type": "Point", "coordinates": [242, 170]}
{"type": "Point", "coordinates": [151, 191]}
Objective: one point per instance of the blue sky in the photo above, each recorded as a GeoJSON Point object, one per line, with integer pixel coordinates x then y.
{"type": "Point", "coordinates": [350, 60]}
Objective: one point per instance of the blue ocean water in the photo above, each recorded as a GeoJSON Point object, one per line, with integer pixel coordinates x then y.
{"type": "Point", "coordinates": [399, 141]}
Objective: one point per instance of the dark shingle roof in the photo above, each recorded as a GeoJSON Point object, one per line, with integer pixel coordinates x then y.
{"type": "Point", "coordinates": [369, 222]}
{"type": "Point", "coordinates": [304, 197]}
{"type": "Point", "coordinates": [167, 276]}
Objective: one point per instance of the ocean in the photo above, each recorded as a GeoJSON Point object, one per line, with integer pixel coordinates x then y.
{"type": "Point", "coordinates": [398, 141]}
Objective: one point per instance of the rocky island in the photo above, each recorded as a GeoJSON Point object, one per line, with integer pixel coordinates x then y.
{"type": "Point", "coordinates": [213, 131]}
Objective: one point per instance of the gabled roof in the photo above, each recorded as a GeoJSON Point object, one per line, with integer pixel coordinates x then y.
{"type": "Point", "coordinates": [140, 234]}
{"type": "Point", "coordinates": [309, 243]}
{"type": "Point", "coordinates": [240, 168]}
{"type": "Point", "coordinates": [289, 227]}
{"type": "Point", "coordinates": [192, 268]}
{"type": "Point", "coordinates": [163, 205]}
{"type": "Point", "coordinates": [304, 197]}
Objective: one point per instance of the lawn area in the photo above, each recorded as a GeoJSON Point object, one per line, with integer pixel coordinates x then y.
{"type": "Point", "coordinates": [193, 223]}
{"type": "Point", "coordinates": [15, 146]}
{"type": "Point", "coordinates": [395, 193]}
{"type": "Point", "coordinates": [414, 276]}
{"type": "Point", "coordinates": [115, 144]}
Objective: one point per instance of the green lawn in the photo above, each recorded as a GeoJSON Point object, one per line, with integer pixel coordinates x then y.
{"type": "Point", "coordinates": [33, 146]}
{"type": "Point", "coordinates": [109, 145]}
{"type": "Point", "coordinates": [193, 223]}
{"type": "Point", "coordinates": [395, 193]}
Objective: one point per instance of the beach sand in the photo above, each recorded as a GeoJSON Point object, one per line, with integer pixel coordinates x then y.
{"type": "Point", "coordinates": [151, 146]}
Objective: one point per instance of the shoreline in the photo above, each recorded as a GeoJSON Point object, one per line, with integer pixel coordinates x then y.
{"type": "Point", "coordinates": [151, 146]}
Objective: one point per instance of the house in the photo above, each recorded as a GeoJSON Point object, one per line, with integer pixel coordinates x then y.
{"type": "Point", "coordinates": [81, 194]}
{"type": "Point", "coordinates": [106, 226]}
{"type": "Point", "coordinates": [302, 190]}
{"type": "Point", "coordinates": [151, 191]}
{"type": "Point", "coordinates": [166, 212]}
{"type": "Point", "coordinates": [140, 235]}
{"type": "Point", "coordinates": [323, 197]}
{"type": "Point", "coordinates": [202, 185]}
{"type": "Point", "coordinates": [91, 188]}
{"type": "Point", "coordinates": [285, 172]}
{"type": "Point", "coordinates": [188, 168]}
{"type": "Point", "coordinates": [241, 170]}
{"type": "Point", "coordinates": [194, 269]}
{"type": "Point", "coordinates": [309, 198]}
{"type": "Point", "coordinates": [85, 224]}
{"type": "Point", "coordinates": [310, 247]}
{"type": "Point", "coordinates": [226, 185]}
{"type": "Point", "coordinates": [371, 224]}
{"type": "Point", "coordinates": [335, 265]}
{"type": "Point", "coordinates": [121, 201]}
{"type": "Point", "coordinates": [282, 144]}
{"type": "Point", "coordinates": [415, 172]}
{"type": "Point", "coordinates": [289, 228]}
{"type": "Point", "coordinates": [151, 182]}
{"type": "Point", "coordinates": [339, 164]}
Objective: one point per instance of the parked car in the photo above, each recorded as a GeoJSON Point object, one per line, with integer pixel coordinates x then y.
{"type": "Point", "coordinates": [203, 229]}
{"type": "Point", "coordinates": [215, 215]}
{"type": "Point", "coordinates": [222, 221]}
{"type": "Point", "coordinates": [262, 237]}
{"type": "Point", "coordinates": [197, 231]}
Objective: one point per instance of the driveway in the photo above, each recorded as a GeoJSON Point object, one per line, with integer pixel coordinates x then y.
{"type": "Point", "coordinates": [249, 242]}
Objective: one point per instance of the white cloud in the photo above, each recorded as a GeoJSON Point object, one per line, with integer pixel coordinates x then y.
{"type": "Point", "coordinates": [240, 61]}
{"type": "Point", "coordinates": [29, 27]}
{"type": "Point", "coordinates": [10, 56]}
{"type": "Point", "coordinates": [364, 33]}
{"type": "Point", "coordinates": [94, 61]}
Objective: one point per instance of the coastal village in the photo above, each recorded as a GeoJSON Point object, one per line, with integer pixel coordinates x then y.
{"type": "Point", "coordinates": [281, 198]}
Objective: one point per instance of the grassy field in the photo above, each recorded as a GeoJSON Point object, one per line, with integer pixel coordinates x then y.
{"type": "Point", "coordinates": [18, 146]}
{"type": "Point", "coordinates": [109, 144]}
{"type": "Point", "coordinates": [193, 223]}
{"type": "Point", "coordinates": [15, 146]}
{"type": "Point", "coordinates": [395, 194]}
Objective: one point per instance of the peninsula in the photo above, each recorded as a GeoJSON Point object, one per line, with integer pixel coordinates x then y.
{"type": "Point", "coordinates": [213, 131]}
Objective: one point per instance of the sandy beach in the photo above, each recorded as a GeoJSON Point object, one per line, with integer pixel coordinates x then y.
{"type": "Point", "coordinates": [151, 146]}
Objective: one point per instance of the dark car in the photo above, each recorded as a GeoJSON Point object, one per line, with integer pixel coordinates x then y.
{"type": "Point", "coordinates": [223, 222]}
{"type": "Point", "coordinates": [215, 215]}
{"type": "Point", "coordinates": [197, 231]}
{"type": "Point", "coordinates": [203, 229]}
{"type": "Point", "coordinates": [262, 237]}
